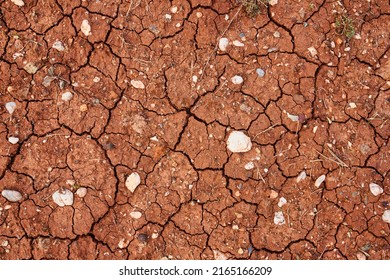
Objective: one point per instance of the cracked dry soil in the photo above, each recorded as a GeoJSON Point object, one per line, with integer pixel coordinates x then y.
{"type": "Point", "coordinates": [103, 89]}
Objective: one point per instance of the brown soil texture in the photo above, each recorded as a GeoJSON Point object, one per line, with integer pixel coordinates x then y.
{"type": "Point", "coordinates": [105, 89]}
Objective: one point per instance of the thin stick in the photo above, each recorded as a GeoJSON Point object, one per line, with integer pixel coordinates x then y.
{"type": "Point", "coordinates": [265, 130]}
{"type": "Point", "coordinates": [333, 154]}
{"type": "Point", "coordinates": [216, 45]}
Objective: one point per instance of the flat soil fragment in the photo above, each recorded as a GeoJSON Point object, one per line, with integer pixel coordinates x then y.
{"type": "Point", "coordinates": [194, 129]}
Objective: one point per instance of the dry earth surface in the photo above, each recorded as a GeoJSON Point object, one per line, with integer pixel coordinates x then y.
{"type": "Point", "coordinates": [115, 117]}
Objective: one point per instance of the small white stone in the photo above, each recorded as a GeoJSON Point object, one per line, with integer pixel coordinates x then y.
{"type": "Point", "coordinates": [238, 43]}
{"type": "Point", "coordinates": [273, 2]}
{"type": "Point", "coordinates": [279, 218]}
{"type": "Point", "coordinates": [273, 194]}
{"type": "Point", "coordinates": [174, 10]}
{"type": "Point", "coordinates": [376, 189]}
{"type": "Point", "coordinates": [294, 118]}
{"type": "Point", "coordinates": [312, 51]}
{"type": "Point", "coordinates": [386, 216]}
{"type": "Point", "coordinates": [11, 195]}
{"type": "Point", "coordinates": [237, 80]}
{"type": "Point", "coordinates": [238, 142]}
{"type": "Point", "coordinates": [85, 27]}
{"type": "Point", "coordinates": [82, 192]}
{"type": "Point", "coordinates": [67, 96]}
{"type": "Point", "coordinates": [19, 3]}
{"type": "Point", "coordinates": [137, 84]}
{"type": "Point", "coordinates": [168, 17]}
{"type": "Point", "coordinates": [352, 105]}
{"type": "Point", "coordinates": [277, 34]}
{"type": "Point", "coordinates": [301, 176]}
{"type": "Point", "coordinates": [282, 201]}
{"type": "Point", "coordinates": [63, 197]}
{"type": "Point", "coordinates": [58, 46]}
{"type": "Point", "coordinates": [10, 106]}
{"type": "Point", "coordinates": [154, 138]}
{"type": "Point", "coordinates": [199, 14]}
{"type": "Point", "coordinates": [319, 181]}
{"type": "Point", "coordinates": [30, 68]}
{"type": "Point", "coordinates": [223, 43]}
{"type": "Point", "coordinates": [13, 140]}
{"type": "Point", "coordinates": [249, 166]}
{"type": "Point", "coordinates": [195, 79]}
{"type": "Point", "coordinates": [132, 181]}
{"type": "Point", "coordinates": [136, 215]}
{"type": "Point", "coordinates": [96, 79]}
{"type": "Point", "coordinates": [154, 235]}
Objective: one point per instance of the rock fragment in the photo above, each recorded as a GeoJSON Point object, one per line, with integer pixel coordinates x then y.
{"type": "Point", "coordinates": [86, 27]}
{"type": "Point", "coordinates": [82, 192]}
{"type": "Point", "coordinates": [282, 201]}
{"type": "Point", "coordinates": [58, 46]}
{"type": "Point", "coordinates": [237, 80]}
{"type": "Point", "coordinates": [375, 189]}
{"type": "Point", "coordinates": [137, 84]}
{"type": "Point", "coordinates": [136, 215]}
{"type": "Point", "coordinates": [11, 195]}
{"type": "Point", "coordinates": [18, 3]}
{"type": "Point", "coordinates": [386, 216]}
{"type": "Point", "coordinates": [312, 51]}
{"type": "Point", "coordinates": [260, 72]}
{"type": "Point", "coordinates": [10, 106]}
{"type": "Point", "coordinates": [319, 181]}
{"type": "Point", "coordinates": [238, 142]}
{"type": "Point", "coordinates": [30, 68]}
{"type": "Point", "coordinates": [13, 140]}
{"type": "Point", "coordinates": [301, 176]}
{"type": "Point", "coordinates": [63, 197]}
{"type": "Point", "coordinates": [132, 181]}
{"type": "Point", "coordinates": [67, 96]}
{"type": "Point", "coordinates": [279, 218]}
{"type": "Point", "coordinates": [238, 43]}
{"type": "Point", "coordinates": [223, 43]}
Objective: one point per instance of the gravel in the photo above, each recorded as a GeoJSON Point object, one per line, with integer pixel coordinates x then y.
{"type": "Point", "coordinates": [375, 189]}
{"type": "Point", "coordinates": [132, 181]}
{"type": "Point", "coordinates": [11, 195]}
{"type": "Point", "coordinates": [238, 142]}
{"type": "Point", "coordinates": [223, 43]}
{"type": "Point", "coordinates": [63, 197]}
{"type": "Point", "coordinates": [10, 106]}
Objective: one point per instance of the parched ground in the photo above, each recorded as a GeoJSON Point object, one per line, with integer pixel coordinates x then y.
{"type": "Point", "coordinates": [94, 91]}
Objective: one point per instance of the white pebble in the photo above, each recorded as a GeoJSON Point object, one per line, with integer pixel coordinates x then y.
{"type": "Point", "coordinates": [279, 218]}
{"type": "Point", "coordinates": [174, 10]}
{"type": "Point", "coordinates": [301, 176]}
{"type": "Point", "coordinates": [11, 195]}
{"type": "Point", "coordinates": [223, 43]}
{"type": "Point", "coordinates": [85, 27]}
{"type": "Point", "coordinates": [67, 96]}
{"type": "Point", "coordinates": [375, 189]}
{"type": "Point", "coordinates": [277, 34]}
{"type": "Point", "coordinates": [58, 46]}
{"type": "Point", "coordinates": [137, 84]}
{"type": "Point", "coordinates": [386, 216]}
{"type": "Point", "coordinates": [132, 181]}
{"type": "Point", "coordinates": [273, 2]}
{"type": "Point", "coordinates": [249, 166]}
{"type": "Point", "coordinates": [238, 142]}
{"type": "Point", "coordinates": [96, 79]}
{"type": "Point", "coordinates": [136, 215]}
{"type": "Point", "coordinates": [195, 79]}
{"type": "Point", "coordinates": [10, 106]}
{"type": "Point", "coordinates": [352, 105]}
{"type": "Point", "coordinates": [319, 181]}
{"type": "Point", "coordinates": [312, 51]}
{"type": "Point", "coordinates": [237, 80]}
{"type": "Point", "coordinates": [63, 197]}
{"type": "Point", "coordinates": [13, 140]}
{"type": "Point", "coordinates": [294, 118]}
{"type": "Point", "coordinates": [282, 201]}
{"type": "Point", "coordinates": [238, 43]}
{"type": "Point", "coordinates": [82, 192]}
{"type": "Point", "coordinates": [19, 3]}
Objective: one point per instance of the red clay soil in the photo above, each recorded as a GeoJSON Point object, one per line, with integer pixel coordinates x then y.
{"type": "Point", "coordinates": [106, 89]}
